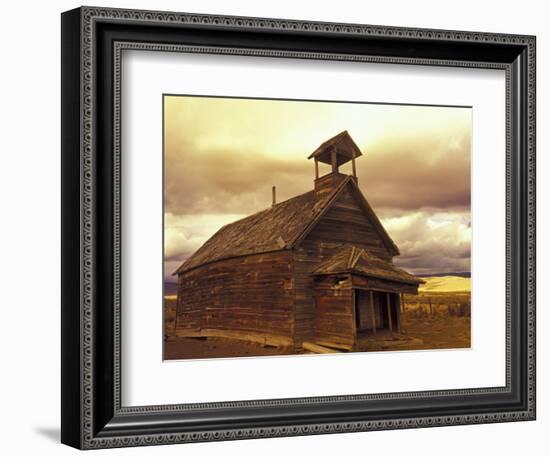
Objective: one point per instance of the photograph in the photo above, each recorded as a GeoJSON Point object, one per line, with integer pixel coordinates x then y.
{"type": "Point", "coordinates": [296, 227]}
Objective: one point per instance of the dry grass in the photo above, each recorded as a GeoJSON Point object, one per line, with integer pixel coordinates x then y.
{"type": "Point", "coordinates": [169, 317]}
{"type": "Point", "coordinates": [440, 320]}
{"type": "Point", "coordinates": [438, 303]}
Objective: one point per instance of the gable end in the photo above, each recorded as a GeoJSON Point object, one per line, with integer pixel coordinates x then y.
{"type": "Point", "coordinates": [349, 219]}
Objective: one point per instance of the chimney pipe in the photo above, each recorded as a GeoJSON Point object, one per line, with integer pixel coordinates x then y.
{"type": "Point", "coordinates": [274, 195]}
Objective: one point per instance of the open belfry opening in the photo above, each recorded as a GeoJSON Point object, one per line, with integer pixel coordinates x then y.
{"type": "Point", "coordinates": [335, 152]}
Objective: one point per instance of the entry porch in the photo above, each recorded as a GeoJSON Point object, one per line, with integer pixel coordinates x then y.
{"type": "Point", "coordinates": [358, 297]}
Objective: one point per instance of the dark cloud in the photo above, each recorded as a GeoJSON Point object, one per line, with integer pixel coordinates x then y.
{"type": "Point", "coordinates": [229, 181]}
{"type": "Point", "coordinates": [412, 173]}
{"type": "Point", "coordinates": [402, 173]}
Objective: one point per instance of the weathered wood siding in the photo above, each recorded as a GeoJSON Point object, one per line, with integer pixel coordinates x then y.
{"type": "Point", "coordinates": [364, 316]}
{"type": "Point", "coordinates": [249, 298]}
{"type": "Point", "coordinates": [334, 322]}
{"type": "Point", "coordinates": [383, 285]}
{"type": "Point", "coordinates": [344, 223]}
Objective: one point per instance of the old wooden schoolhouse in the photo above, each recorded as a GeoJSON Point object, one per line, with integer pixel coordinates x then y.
{"type": "Point", "coordinates": [317, 268]}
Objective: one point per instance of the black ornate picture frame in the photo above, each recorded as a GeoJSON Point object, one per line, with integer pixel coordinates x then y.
{"type": "Point", "coordinates": [92, 414]}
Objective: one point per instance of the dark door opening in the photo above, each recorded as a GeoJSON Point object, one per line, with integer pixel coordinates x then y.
{"type": "Point", "coordinates": [375, 310]}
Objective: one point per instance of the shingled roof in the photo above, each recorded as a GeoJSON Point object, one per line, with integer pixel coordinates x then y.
{"type": "Point", "coordinates": [272, 229]}
{"type": "Point", "coordinates": [276, 228]}
{"type": "Point", "coordinates": [351, 259]}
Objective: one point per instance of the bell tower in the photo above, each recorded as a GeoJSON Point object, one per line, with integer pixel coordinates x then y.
{"type": "Point", "coordinates": [335, 152]}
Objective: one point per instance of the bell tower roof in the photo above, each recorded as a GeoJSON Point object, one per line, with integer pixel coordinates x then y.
{"type": "Point", "coordinates": [342, 145]}
{"type": "Point", "coordinates": [335, 152]}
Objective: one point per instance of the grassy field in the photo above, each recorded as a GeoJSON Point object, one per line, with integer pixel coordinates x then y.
{"type": "Point", "coordinates": [441, 295]}
{"type": "Point", "coordinates": [438, 303]}
{"type": "Point", "coordinates": [440, 320]}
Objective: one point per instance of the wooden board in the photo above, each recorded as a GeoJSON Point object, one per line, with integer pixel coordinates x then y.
{"type": "Point", "coordinates": [367, 283]}
{"type": "Point", "coordinates": [318, 349]}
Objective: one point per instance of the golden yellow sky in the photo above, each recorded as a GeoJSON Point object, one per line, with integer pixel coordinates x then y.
{"type": "Point", "coordinates": [223, 155]}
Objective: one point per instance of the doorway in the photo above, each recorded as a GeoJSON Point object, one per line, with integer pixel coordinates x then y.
{"type": "Point", "coordinates": [375, 310]}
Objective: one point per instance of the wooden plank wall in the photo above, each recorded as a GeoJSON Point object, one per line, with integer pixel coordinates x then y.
{"type": "Point", "coordinates": [343, 223]}
{"type": "Point", "coordinates": [252, 295]}
{"type": "Point", "coordinates": [334, 316]}
{"type": "Point", "coordinates": [346, 223]}
{"type": "Point", "coordinates": [364, 312]}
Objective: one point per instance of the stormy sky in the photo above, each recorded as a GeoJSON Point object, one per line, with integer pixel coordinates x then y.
{"type": "Point", "coordinates": [223, 155]}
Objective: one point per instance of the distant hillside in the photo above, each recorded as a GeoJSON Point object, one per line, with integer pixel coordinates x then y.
{"type": "Point", "coordinates": [445, 284]}
{"type": "Point", "coordinates": [462, 274]}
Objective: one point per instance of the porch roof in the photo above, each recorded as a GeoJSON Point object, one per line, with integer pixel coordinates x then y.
{"type": "Point", "coordinates": [351, 259]}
